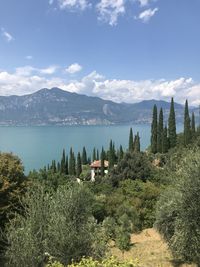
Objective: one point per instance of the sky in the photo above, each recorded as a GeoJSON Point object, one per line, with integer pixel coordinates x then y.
{"type": "Point", "coordinates": [121, 50]}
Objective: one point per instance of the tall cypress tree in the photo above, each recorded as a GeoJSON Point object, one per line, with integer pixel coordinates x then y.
{"type": "Point", "coordinates": [172, 125]}
{"type": "Point", "coordinates": [102, 162]}
{"type": "Point", "coordinates": [62, 165]}
{"type": "Point", "coordinates": [97, 154]}
{"type": "Point", "coordinates": [165, 142]}
{"type": "Point", "coordinates": [193, 126]}
{"type": "Point", "coordinates": [160, 131]}
{"type": "Point", "coordinates": [94, 156]}
{"type": "Point", "coordinates": [121, 153]}
{"type": "Point", "coordinates": [130, 144]}
{"type": "Point", "coordinates": [84, 156]}
{"type": "Point", "coordinates": [187, 125]}
{"type": "Point", "coordinates": [137, 143]}
{"type": "Point", "coordinates": [78, 165]}
{"type": "Point", "coordinates": [72, 163]}
{"type": "Point", "coordinates": [154, 129]}
{"type": "Point", "coordinates": [66, 166]}
{"type": "Point", "coordinates": [111, 155]}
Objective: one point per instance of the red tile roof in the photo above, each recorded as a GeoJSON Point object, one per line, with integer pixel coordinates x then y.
{"type": "Point", "coordinates": [97, 164]}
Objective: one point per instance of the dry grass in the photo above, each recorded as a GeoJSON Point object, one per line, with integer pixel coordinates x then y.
{"type": "Point", "coordinates": [150, 249]}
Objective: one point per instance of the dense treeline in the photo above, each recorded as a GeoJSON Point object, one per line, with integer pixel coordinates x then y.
{"type": "Point", "coordinates": [48, 215]}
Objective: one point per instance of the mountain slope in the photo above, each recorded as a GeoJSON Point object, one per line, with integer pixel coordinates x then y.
{"type": "Point", "coordinates": [58, 107]}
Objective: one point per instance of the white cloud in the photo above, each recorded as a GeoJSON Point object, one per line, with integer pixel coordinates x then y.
{"type": "Point", "coordinates": [143, 2]}
{"type": "Point", "coordinates": [74, 68]}
{"type": "Point", "coordinates": [7, 36]}
{"type": "Point", "coordinates": [147, 14]}
{"type": "Point", "coordinates": [71, 4]}
{"type": "Point", "coordinates": [50, 70]}
{"type": "Point", "coordinates": [51, 2]}
{"type": "Point", "coordinates": [110, 10]}
{"type": "Point", "coordinates": [29, 57]}
{"type": "Point", "coordinates": [28, 79]}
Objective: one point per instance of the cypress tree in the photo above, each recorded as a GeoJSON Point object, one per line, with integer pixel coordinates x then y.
{"type": "Point", "coordinates": [165, 142]}
{"type": "Point", "coordinates": [58, 167]}
{"type": "Point", "coordinates": [53, 166]}
{"type": "Point", "coordinates": [97, 154]}
{"type": "Point", "coordinates": [154, 130]}
{"type": "Point", "coordinates": [172, 125]}
{"type": "Point", "coordinates": [160, 131]}
{"type": "Point", "coordinates": [131, 145]}
{"type": "Point", "coordinates": [66, 166]}
{"type": "Point", "coordinates": [84, 156]}
{"type": "Point", "coordinates": [102, 162]}
{"type": "Point", "coordinates": [78, 165]}
{"type": "Point", "coordinates": [111, 155]}
{"type": "Point", "coordinates": [72, 163]}
{"type": "Point", "coordinates": [94, 156]}
{"type": "Point", "coordinates": [187, 125]}
{"type": "Point", "coordinates": [137, 143]}
{"type": "Point", "coordinates": [121, 153]}
{"type": "Point", "coordinates": [62, 165]}
{"type": "Point", "coordinates": [193, 127]}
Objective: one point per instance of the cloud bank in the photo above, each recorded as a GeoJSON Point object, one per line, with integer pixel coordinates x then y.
{"type": "Point", "coordinates": [26, 80]}
{"type": "Point", "coordinates": [108, 11]}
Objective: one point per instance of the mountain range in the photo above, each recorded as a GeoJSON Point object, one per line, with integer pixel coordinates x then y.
{"type": "Point", "coordinates": [58, 107]}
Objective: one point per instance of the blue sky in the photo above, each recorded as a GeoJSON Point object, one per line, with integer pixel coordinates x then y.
{"type": "Point", "coordinates": [122, 50]}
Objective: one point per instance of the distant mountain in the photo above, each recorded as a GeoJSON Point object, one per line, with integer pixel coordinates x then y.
{"type": "Point", "coordinates": [57, 107]}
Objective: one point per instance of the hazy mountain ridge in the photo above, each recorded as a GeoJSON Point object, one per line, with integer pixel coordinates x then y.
{"type": "Point", "coordinates": [58, 107]}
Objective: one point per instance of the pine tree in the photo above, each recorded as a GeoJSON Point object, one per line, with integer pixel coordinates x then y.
{"type": "Point", "coordinates": [102, 162]}
{"type": "Point", "coordinates": [62, 165]}
{"type": "Point", "coordinates": [160, 131]}
{"type": "Point", "coordinates": [193, 127]}
{"type": "Point", "coordinates": [172, 126]}
{"type": "Point", "coordinates": [84, 156]}
{"type": "Point", "coordinates": [165, 142]}
{"type": "Point", "coordinates": [78, 165]}
{"type": "Point", "coordinates": [137, 143]}
{"type": "Point", "coordinates": [187, 125]}
{"type": "Point", "coordinates": [130, 146]}
{"type": "Point", "coordinates": [154, 130]}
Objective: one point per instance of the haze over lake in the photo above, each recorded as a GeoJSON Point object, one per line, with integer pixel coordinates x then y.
{"type": "Point", "coordinates": [38, 146]}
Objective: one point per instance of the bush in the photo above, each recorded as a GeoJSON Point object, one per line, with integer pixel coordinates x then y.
{"type": "Point", "coordinates": [59, 223]}
{"type": "Point", "coordinates": [178, 214]}
{"type": "Point", "coordinates": [89, 262]}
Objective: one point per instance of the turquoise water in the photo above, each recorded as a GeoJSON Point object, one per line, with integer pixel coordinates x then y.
{"type": "Point", "coordinates": [37, 146]}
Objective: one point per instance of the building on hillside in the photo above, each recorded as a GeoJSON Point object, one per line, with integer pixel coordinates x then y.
{"type": "Point", "coordinates": [96, 168]}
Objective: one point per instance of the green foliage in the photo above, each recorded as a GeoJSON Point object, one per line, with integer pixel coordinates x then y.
{"type": "Point", "coordinates": [13, 184]}
{"type": "Point", "coordinates": [78, 165]}
{"type": "Point", "coordinates": [187, 126]}
{"type": "Point", "coordinates": [59, 223]}
{"type": "Point", "coordinates": [84, 156]}
{"type": "Point", "coordinates": [178, 213]}
{"type": "Point", "coordinates": [165, 141]}
{"type": "Point", "coordinates": [132, 166]}
{"type": "Point", "coordinates": [130, 143]}
{"type": "Point", "coordinates": [72, 163]}
{"type": "Point", "coordinates": [154, 131]}
{"type": "Point", "coordinates": [160, 132]}
{"type": "Point", "coordinates": [172, 125]}
{"type": "Point", "coordinates": [110, 262]}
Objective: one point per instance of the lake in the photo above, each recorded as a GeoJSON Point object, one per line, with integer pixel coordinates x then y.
{"type": "Point", "coordinates": [38, 146]}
